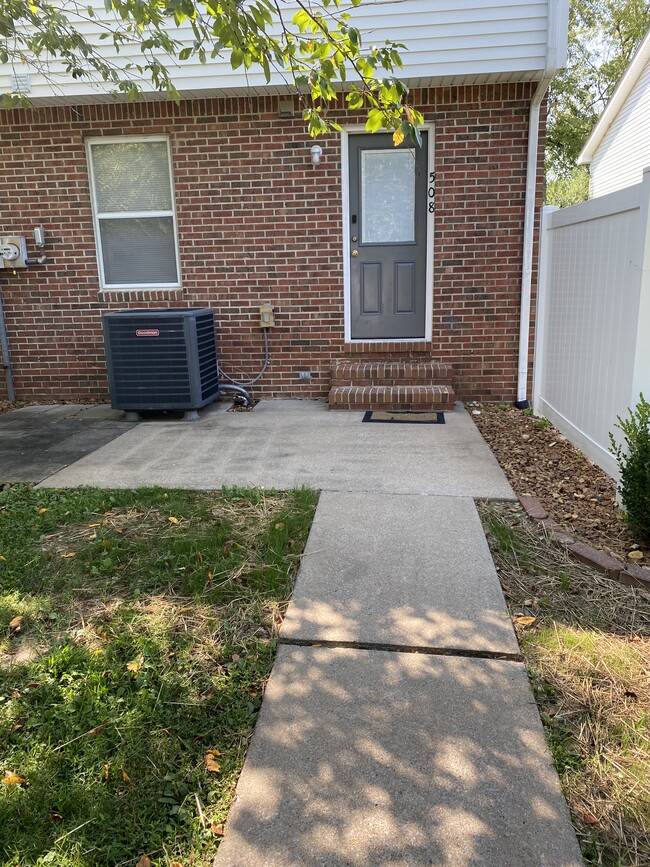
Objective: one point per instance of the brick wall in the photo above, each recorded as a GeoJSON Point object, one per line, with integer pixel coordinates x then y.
{"type": "Point", "coordinates": [258, 222]}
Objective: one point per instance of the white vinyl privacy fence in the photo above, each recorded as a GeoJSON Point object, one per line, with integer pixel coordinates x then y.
{"type": "Point", "coordinates": [592, 344]}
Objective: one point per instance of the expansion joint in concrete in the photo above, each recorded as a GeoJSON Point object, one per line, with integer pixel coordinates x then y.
{"type": "Point", "coordinates": [405, 648]}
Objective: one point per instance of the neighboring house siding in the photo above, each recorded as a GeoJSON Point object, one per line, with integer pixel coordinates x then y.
{"type": "Point", "coordinates": [625, 150]}
{"type": "Point", "coordinates": [448, 41]}
{"type": "Point", "coordinates": [257, 222]}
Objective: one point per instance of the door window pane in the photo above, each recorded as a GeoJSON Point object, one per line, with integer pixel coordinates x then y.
{"type": "Point", "coordinates": [138, 250]}
{"type": "Point", "coordinates": [387, 197]}
{"type": "Point", "coordinates": [132, 176]}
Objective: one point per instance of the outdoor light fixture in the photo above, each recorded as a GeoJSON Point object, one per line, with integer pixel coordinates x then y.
{"type": "Point", "coordinates": [316, 155]}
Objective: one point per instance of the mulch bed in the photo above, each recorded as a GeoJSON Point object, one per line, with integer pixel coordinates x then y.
{"type": "Point", "coordinates": [540, 462]}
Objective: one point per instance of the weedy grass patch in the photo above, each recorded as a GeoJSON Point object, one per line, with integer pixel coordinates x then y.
{"type": "Point", "coordinates": [137, 631]}
{"type": "Point", "coordinates": [586, 643]}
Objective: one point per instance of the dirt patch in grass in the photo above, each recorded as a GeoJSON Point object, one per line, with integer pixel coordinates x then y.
{"type": "Point", "coordinates": [137, 632]}
{"type": "Point", "coordinates": [539, 461]}
{"type": "Point", "coordinates": [586, 643]}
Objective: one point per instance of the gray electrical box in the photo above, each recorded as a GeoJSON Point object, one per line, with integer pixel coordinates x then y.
{"type": "Point", "coordinates": [161, 359]}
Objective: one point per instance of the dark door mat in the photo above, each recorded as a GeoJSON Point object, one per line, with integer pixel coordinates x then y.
{"type": "Point", "coordinates": [404, 417]}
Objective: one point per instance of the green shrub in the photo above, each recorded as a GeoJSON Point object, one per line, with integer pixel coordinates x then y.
{"type": "Point", "coordinates": [634, 463]}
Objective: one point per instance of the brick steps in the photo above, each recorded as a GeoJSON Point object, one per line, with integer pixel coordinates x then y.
{"type": "Point", "coordinates": [392, 384]}
{"type": "Point", "coordinates": [391, 373]}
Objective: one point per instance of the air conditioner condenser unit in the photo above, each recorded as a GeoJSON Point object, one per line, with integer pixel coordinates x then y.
{"type": "Point", "coordinates": [161, 359]}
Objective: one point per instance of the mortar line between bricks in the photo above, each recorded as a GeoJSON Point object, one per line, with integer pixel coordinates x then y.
{"type": "Point", "coordinates": [404, 648]}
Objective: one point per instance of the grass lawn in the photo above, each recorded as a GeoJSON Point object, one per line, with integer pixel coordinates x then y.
{"type": "Point", "coordinates": [586, 643]}
{"type": "Point", "coordinates": [137, 630]}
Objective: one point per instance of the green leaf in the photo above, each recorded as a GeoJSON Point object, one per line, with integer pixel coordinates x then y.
{"type": "Point", "coordinates": [236, 58]}
{"type": "Point", "coordinates": [354, 99]}
{"type": "Point", "coordinates": [375, 120]}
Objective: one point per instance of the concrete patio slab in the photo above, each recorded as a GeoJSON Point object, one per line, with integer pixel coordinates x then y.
{"type": "Point", "coordinates": [37, 441]}
{"type": "Point", "coordinates": [282, 444]}
{"type": "Point", "coordinates": [411, 571]}
{"type": "Point", "coordinates": [363, 758]}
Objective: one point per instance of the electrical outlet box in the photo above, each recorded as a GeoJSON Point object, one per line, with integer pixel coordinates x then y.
{"type": "Point", "coordinates": [267, 319]}
{"type": "Point", "coordinates": [13, 252]}
{"type": "Point", "coordinates": [304, 375]}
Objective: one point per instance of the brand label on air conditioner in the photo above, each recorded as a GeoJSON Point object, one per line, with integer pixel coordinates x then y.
{"type": "Point", "coordinates": [147, 332]}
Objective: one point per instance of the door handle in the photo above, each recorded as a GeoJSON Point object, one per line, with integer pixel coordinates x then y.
{"type": "Point", "coordinates": [355, 252]}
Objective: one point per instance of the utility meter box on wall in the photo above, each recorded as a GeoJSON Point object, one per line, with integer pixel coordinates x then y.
{"type": "Point", "coordinates": [13, 252]}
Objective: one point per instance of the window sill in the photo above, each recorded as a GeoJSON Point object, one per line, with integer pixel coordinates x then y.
{"type": "Point", "coordinates": [150, 294]}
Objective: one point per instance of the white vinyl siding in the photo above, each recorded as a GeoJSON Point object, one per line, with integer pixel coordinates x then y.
{"type": "Point", "coordinates": [624, 152]}
{"type": "Point", "coordinates": [448, 42]}
{"type": "Point", "coordinates": [133, 206]}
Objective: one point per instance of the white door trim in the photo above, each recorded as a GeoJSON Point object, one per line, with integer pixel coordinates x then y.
{"type": "Point", "coordinates": [345, 193]}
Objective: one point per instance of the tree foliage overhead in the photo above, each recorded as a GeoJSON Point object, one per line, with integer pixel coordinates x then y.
{"type": "Point", "coordinates": [603, 36]}
{"type": "Point", "coordinates": [312, 44]}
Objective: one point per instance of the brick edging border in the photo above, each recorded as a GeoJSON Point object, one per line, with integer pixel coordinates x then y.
{"type": "Point", "coordinates": [629, 574]}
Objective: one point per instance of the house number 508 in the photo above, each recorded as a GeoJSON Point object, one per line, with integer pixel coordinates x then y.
{"type": "Point", "coordinates": [431, 192]}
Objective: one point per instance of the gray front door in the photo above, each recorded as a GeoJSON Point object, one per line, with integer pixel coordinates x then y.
{"type": "Point", "coordinates": [388, 234]}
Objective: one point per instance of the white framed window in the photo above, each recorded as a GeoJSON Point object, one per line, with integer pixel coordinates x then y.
{"type": "Point", "coordinates": [134, 212]}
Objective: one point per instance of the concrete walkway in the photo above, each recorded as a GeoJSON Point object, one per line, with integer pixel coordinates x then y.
{"type": "Point", "coordinates": [398, 726]}
{"type": "Point", "coordinates": [37, 441]}
{"type": "Point", "coordinates": [282, 444]}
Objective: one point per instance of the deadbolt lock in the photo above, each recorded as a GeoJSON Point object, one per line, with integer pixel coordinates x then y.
{"type": "Point", "coordinates": [354, 237]}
